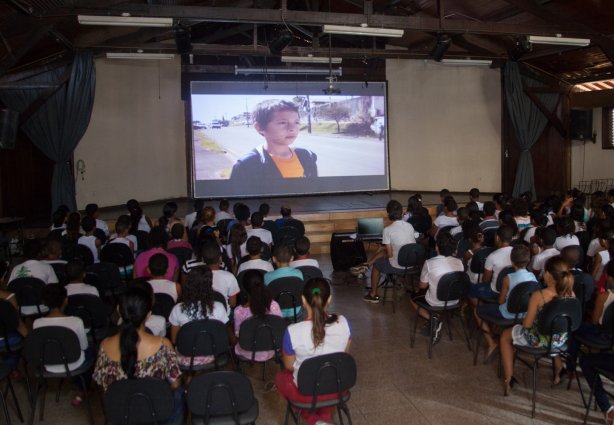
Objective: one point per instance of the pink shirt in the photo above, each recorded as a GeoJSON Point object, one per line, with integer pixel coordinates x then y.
{"type": "Point", "coordinates": [142, 262]}
{"type": "Point", "coordinates": [178, 243]}
{"type": "Point", "coordinates": [241, 314]}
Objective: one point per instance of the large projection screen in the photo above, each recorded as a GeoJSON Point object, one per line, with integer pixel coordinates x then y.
{"type": "Point", "coordinates": [287, 138]}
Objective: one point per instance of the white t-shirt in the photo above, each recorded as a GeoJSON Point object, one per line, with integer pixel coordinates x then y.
{"type": "Point", "coordinates": [132, 238]}
{"type": "Point", "coordinates": [226, 284]}
{"type": "Point", "coordinates": [298, 341]}
{"type": "Point", "coordinates": [258, 264]}
{"type": "Point", "coordinates": [497, 261]}
{"type": "Point", "coordinates": [432, 270]}
{"type": "Point", "coordinates": [157, 325]}
{"type": "Point", "coordinates": [567, 240]}
{"type": "Point", "coordinates": [522, 222]}
{"type": "Point", "coordinates": [529, 234]}
{"type": "Point", "coordinates": [164, 286]}
{"type": "Point", "coordinates": [90, 242]}
{"type": "Point", "coordinates": [594, 247]}
{"type": "Point", "coordinates": [396, 235]}
{"type": "Point", "coordinates": [75, 324]}
{"type": "Point", "coordinates": [242, 248]}
{"type": "Point", "coordinates": [34, 268]}
{"type": "Point", "coordinates": [222, 215]}
{"type": "Point", "coordinates": [102, 225]}
{"type": "Point", "coordinates": [305, 262]}
{"type": "Point", "coordinates": [539, 260]}
{"type": "Point", "coordinates": [188, 221]}
{"type": "Point", "coordinates": [605, 259]}
{"type": "Point", "coordinates": [81, 289]}
{"type": "Point", "coordinates": [179, 318]}
{"type": "Point", "coordinates": [143, 225]}
{"type": "Point", "coordinates": [480, 205]}
{"type": "Point", "coordinates": [264, 235]}
{"type": "Point", "coordinates": [445, 221]}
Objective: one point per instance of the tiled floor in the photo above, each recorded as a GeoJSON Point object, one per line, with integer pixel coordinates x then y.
{"type": "Point", "coordinates": [398, 384]}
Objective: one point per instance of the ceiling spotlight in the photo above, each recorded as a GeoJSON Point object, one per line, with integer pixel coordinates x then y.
{"type": "Point", "coordinates": [441, 47]}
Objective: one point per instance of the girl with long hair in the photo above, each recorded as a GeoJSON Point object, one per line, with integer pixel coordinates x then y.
{"type": "Point", "coordinates": [322, 333]}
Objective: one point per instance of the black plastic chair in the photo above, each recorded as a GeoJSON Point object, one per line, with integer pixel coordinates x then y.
{"type": "Point", "coordinates": [310, 272]}
{"type": "Point", "coordinates": [201, 338]}
{"type": "Point", "coordinates": [287, 235]}
{"type": "Point", "coordinates": [287, 291]}
{"type": "Point", "coordinates": [142, 240]}
{"type": "Point", "coordinates": [163, 305]}
{"type": "Point", "coordinates": [327, 374]}
{"type": "Point", "coordinates": [107, 278]}
{"type": "Point", "coordinates": [478, 261]}
{"type": "Point", "coordinates": [118, 254]}
{"type": "Point", "coordinates": [453, 287]}
{"type": "Point", "coordinates": [517, 303]}
{"type": "Point", "coordinates": [182, 253]}
{"type": "Point", "coordinates": [138, 401]}
{"type": "Point", "coordinates": [60, 272]}
{"type": "Point", "coordinates": [410, 258]}
{"type": "Point", "coordinates": [583, 288]}
{"type": "Point", "coordinates": [261, 334]}
{"type": "Point", "coordinates": [9, 321]}
{"type": "Point", "coordinates": [84, 254]}
{"type": "Point", "coordinates": [489, 237]}
{"type": "Point", "coordinates": [221, 398]}
{"type": "Point", "coordinates": [558, 316]}
{"type": "Point", "coordinates": [54, 345]}
{"type": "Point", "coordinates": [29, 293]}
{"type": "Point", "coordinates": [93, 312]}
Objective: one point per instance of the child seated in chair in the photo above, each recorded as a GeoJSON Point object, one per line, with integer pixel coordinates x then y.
{"type": "Point", "coordinates": [301, 254]}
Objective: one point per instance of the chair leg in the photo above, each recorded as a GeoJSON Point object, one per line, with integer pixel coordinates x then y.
{"type": "Point", "coordinates": [447, 323]}
{"type": "Point", "coordinates": [590, 399]}
{"type": "Point", "coordinates": [430, 341]}
{"type": "Point", "coordinates": [478, 340]}
{"type": "Point", "coordinates": [466, 332]}
{"type": "Point", "coordinates": [5, 408]}
{"type": "Point", "coordinates": [17, 407]}
{"type": "Point", "coordinates": [57, 394]}
{"type": "Point", "coordinates": [534, 389]}
{"type": "Point", "coordinates": [412, 339]}
{"type": "Point", "coordinates": [33, 402]}
{"type": "Point", "coordinates": [394, 294]}
{"type": "Point", "coordinates": [42, 409]}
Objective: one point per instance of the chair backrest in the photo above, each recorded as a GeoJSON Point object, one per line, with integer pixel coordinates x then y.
{"type": "Point", "coordinates": [310, 272]}
{"type": "Point", "coordinates": [479, 259]}
{"type": "Point", "coordinates": [204, 337]}
{"type": "Point", "coordinates": [83, 253]}
{"type": "Point", "coordinates": [28, 291]}
{"type": "Point", "coordinates": [583, 287]}
{"type": "Point", "coordinates": [262, 334]}
{"type": "Point", "coordinates": [489, 237]}
{"type": "Point", "coordinates": [297, 224]}
{"type": "Point", "coordinates": [220, 393]}
{"type": "Point", "coordinates": [182, 253]}
{"type": "Point", "coordinates": [327, 374]}
{"type": "Point", "coordinates": [60, 272]}
{"type": "Point", "coordinates": [518, 299]}
{"type": "Point", "coordinates": [411, 255]}
{"type": "Point", "coordinates": [138, 401]}
{"type": "Point", "coordinates": [117, 253]}
{"type": "Point", "coordinates": [163, 305]}
{"type": "Point", "coordinates": [99, 233]}
{"type": "Point", "coordinates": [287, 235]}
{"type": "Point", "coordinates": [89, 308]}
{"type": "Point", "coordinates": [560, 315]}
{"type": "Point", "coordinates": [453, 286]}
{"type": "Point", "coordinates": [103, 276]}
{"type": "Point", "coordinates": [9, 320]}
{"type": "Point", "coordinates": [504, 272]}
{"type": "Point", "coordinates": [287, 291]}
{"type": "Point", "coordinates": [51, 345]}
{"type": "Point", "coordinates": [462, 247]}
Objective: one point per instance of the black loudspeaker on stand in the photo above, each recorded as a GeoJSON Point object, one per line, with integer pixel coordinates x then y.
{"type": "Point", "coordinates": [346, 252]}
{"type": "Point", "coordinates": [8, 128]}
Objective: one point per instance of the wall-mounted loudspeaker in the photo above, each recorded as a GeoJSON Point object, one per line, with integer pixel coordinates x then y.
{"type": "Point", "coordinates": [8, 128]}
{"type": "Point", "coordinates": [582, 124]}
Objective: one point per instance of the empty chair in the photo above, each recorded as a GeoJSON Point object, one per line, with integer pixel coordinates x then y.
{"type": "Point", "coordinates": [222, 397]}
{"type": "Point", "coordinates": [138, 401]}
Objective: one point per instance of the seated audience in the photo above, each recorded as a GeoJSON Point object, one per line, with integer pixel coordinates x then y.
{"type": "Point", "coordinates": [169, 219]}
{"type": "Point", "coordinates": [236, 248]}
{"type": "Point", "coordinates": [443, 194]}
{"type": "Point", "coordinates": [177, 240]}
{"type": "Point", "coordinates": [545, 238]}
{"type": "Point", "coordinates": [254, 250]}
{"type": "Point", "coordinates": [282, 256]}
{"type": "Point", "coordinates": [14, 338]}
{"type": "Point", "coordinates": [301, 254]}
{"type": "Point", "coordinates": [223, 282]}
{"type": "Point", "coordinates": [52, 252]}
{"type": "Point", "coordinates": [490, 218]}
{"type": "Point", "coordinates": [33, 267]}
{"type": "Point", "coordinates": [122, 233]}
{"type": "Point", "coordinates": [418, 216]}
{"type": "Point", "coordinates": [223, 213]}
{"type": "Point", "coordinates": [474, 196]}
{"type": "Point", "coordinates": [495, 262]}
{"type": "Point", "coordinates": [322, 333]}
{"type": "Point", "coordinates": [90, 240]}
{"type": "Point", "coordinates": [286, 214]}
{"type": "Point", "coordinates": [603, 257]}
{"type": "Point", "coordinates": [75, 272]}
{"type": "Point", "coordinates": [157, 267]}
{"type": "Point", "coordinates": [565, 229]}
{"type": "Point", "coordinates": [475, 237]}
{"type": "Point", "coordinates": [520, 211]}
{"type": "Point", "coordinates": [158, 238]}
{"type": "Point", "coordinates": [91, 210]}
{"type": "Point", "coordinates": [190, 218]}
{"type": "Point", "coordinates": [447, 218]}
{"type": "Point", "coordinates": [138, 220]}
{"type": "Point", "coordinates": [257, 221]}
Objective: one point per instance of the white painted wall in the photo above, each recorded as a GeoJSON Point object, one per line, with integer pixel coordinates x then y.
{"type": "Point", "coordinates": [134, 146]}
{"type": "Point", "coordinates": [444, 126]}
{"type": "Point", "coordinates": [588, 160]}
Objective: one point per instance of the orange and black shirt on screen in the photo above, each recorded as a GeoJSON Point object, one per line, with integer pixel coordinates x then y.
{"type": "Point", "coordinates": [289, 168]}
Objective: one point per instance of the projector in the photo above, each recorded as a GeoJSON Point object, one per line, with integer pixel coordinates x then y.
{"type": "Point", "coordinates": [332, 90]}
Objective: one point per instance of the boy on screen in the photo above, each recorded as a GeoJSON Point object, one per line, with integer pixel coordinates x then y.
{"type": "Point", "coordinates": [278, 121]}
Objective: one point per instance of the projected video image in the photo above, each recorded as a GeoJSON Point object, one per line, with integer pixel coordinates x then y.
{"type": "Point", "coordinates": [280, 143]}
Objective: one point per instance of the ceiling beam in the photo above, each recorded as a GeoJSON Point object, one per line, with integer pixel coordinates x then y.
{"type": "Point", "coordinates": [295, 17]}
{"type": "Point", "coordinates": [33, 40]}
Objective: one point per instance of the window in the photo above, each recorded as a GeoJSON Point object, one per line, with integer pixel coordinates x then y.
{"type": "Point", "coordinates": [607, 135]}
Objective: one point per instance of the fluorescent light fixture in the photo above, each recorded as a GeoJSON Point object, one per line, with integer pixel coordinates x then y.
{"type": "Point", "coordinates": [125, 21]}
{"type": "Point", "coordinates": [371, 31]}
{"type": "Point", "coordinates": [119, 55]}
{"type": "Point", "coordinates": [310, 59]}
{"type": "Point", "coordinates": [287, 71]}
{"type": "Point", "coordinates": [559, 41]}
{"type": "Point", "coordinates": [467, 62]}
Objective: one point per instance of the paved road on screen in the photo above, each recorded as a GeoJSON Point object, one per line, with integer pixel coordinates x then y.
{"type": "Point", "coordinates": [337, 155]}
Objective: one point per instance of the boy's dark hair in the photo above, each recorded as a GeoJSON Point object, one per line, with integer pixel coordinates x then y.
{"type": "Point", "coordinates": [462, 214]}
{"type": "Point", "coordinates": [547, 235]}
{"type": "Point", "coordinates": [169, 209]}
{"type": "Point", "coordinates": [158, 238]}
{"type": "Point", "coordinates": [58, 218]}
{"type": "Point", "coordinates": [253, 245]}
{"type": "Point", "coordinates": [224, 205]}
{"type": "Point", "coordinates": [576, 212]}
{"type": "Point", "coordinates": [122, 224]}
{"type": "Point", "coordinates": [500, 198]}
{"type": "Point", "coordinates": [565, 226]}
{"type": "Point", "coordinates": [283, 253]}
{"type": "Point", "coordinates": [505, 233]}
{"type": "Point", "coordinates": [264, 110]}
{"type": "Point", "coordinates": [443, 193]}
{"type": "Point", "coordinates": [241, 211]}
{"type": "Point", "coordinates": [199, 204]}
{"type": "Point", "coordinates": [211, 252]}
{"type": "Point", "coordinates": [177, 231]}
{"type": "Point", "coordinates": [474, 193]}
{"type": "Point", "coordinates": [75, 270]}
{"type": "Point", "coordinates": [394, 210]}
{"type": "Point", "coordinates": [158, 265]}
{"type": "Point", "coordinates": [489, 208]}
{"type": "Point", "coordinates": [54, 295]}
{"type": "Point", "coordinates": [90, 209]}
{"type": "Point", "coordinates": [572, 255]}
{"type": "Point", "coordinates": [257, 219]}
{"type": "Point", "coordinates": [609, 269]}
{"type": "Point", "coordinates": [445, 244]}
{"type": "Point", "coordinates": [285, 211]}
{"type": "Point", "coordinates": [539, 218]}
{"type": "Point", "coordinates": [520, 207]}
{"type": "Point", "coordinates": [88, 223]}
{"type": "Point", "coordinates": [264, 209]}
{"type": "Point", "coordinates": [520, 256]}
{"type": "Point", "coordinates": [302, 246]}
{"type": "Point", "coordinates": [32, 249]}
{"type": "Point", "coordinates": [450, 204]}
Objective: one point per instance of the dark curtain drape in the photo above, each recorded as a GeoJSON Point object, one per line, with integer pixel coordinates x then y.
{"type": "Point", "coordinates": [59, 124]}
{"type": "Point", "coordinates": [528, 121]}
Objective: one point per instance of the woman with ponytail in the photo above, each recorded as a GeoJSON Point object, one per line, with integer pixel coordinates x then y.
{"type": "Point", "coordinates": [133, 352]}
{"type": "Point", "coordinates": [321, 333]}
{"type": "Point", "coordinates": [259, 303]}
{"type": "Point", "coordinates": [559, 284]}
